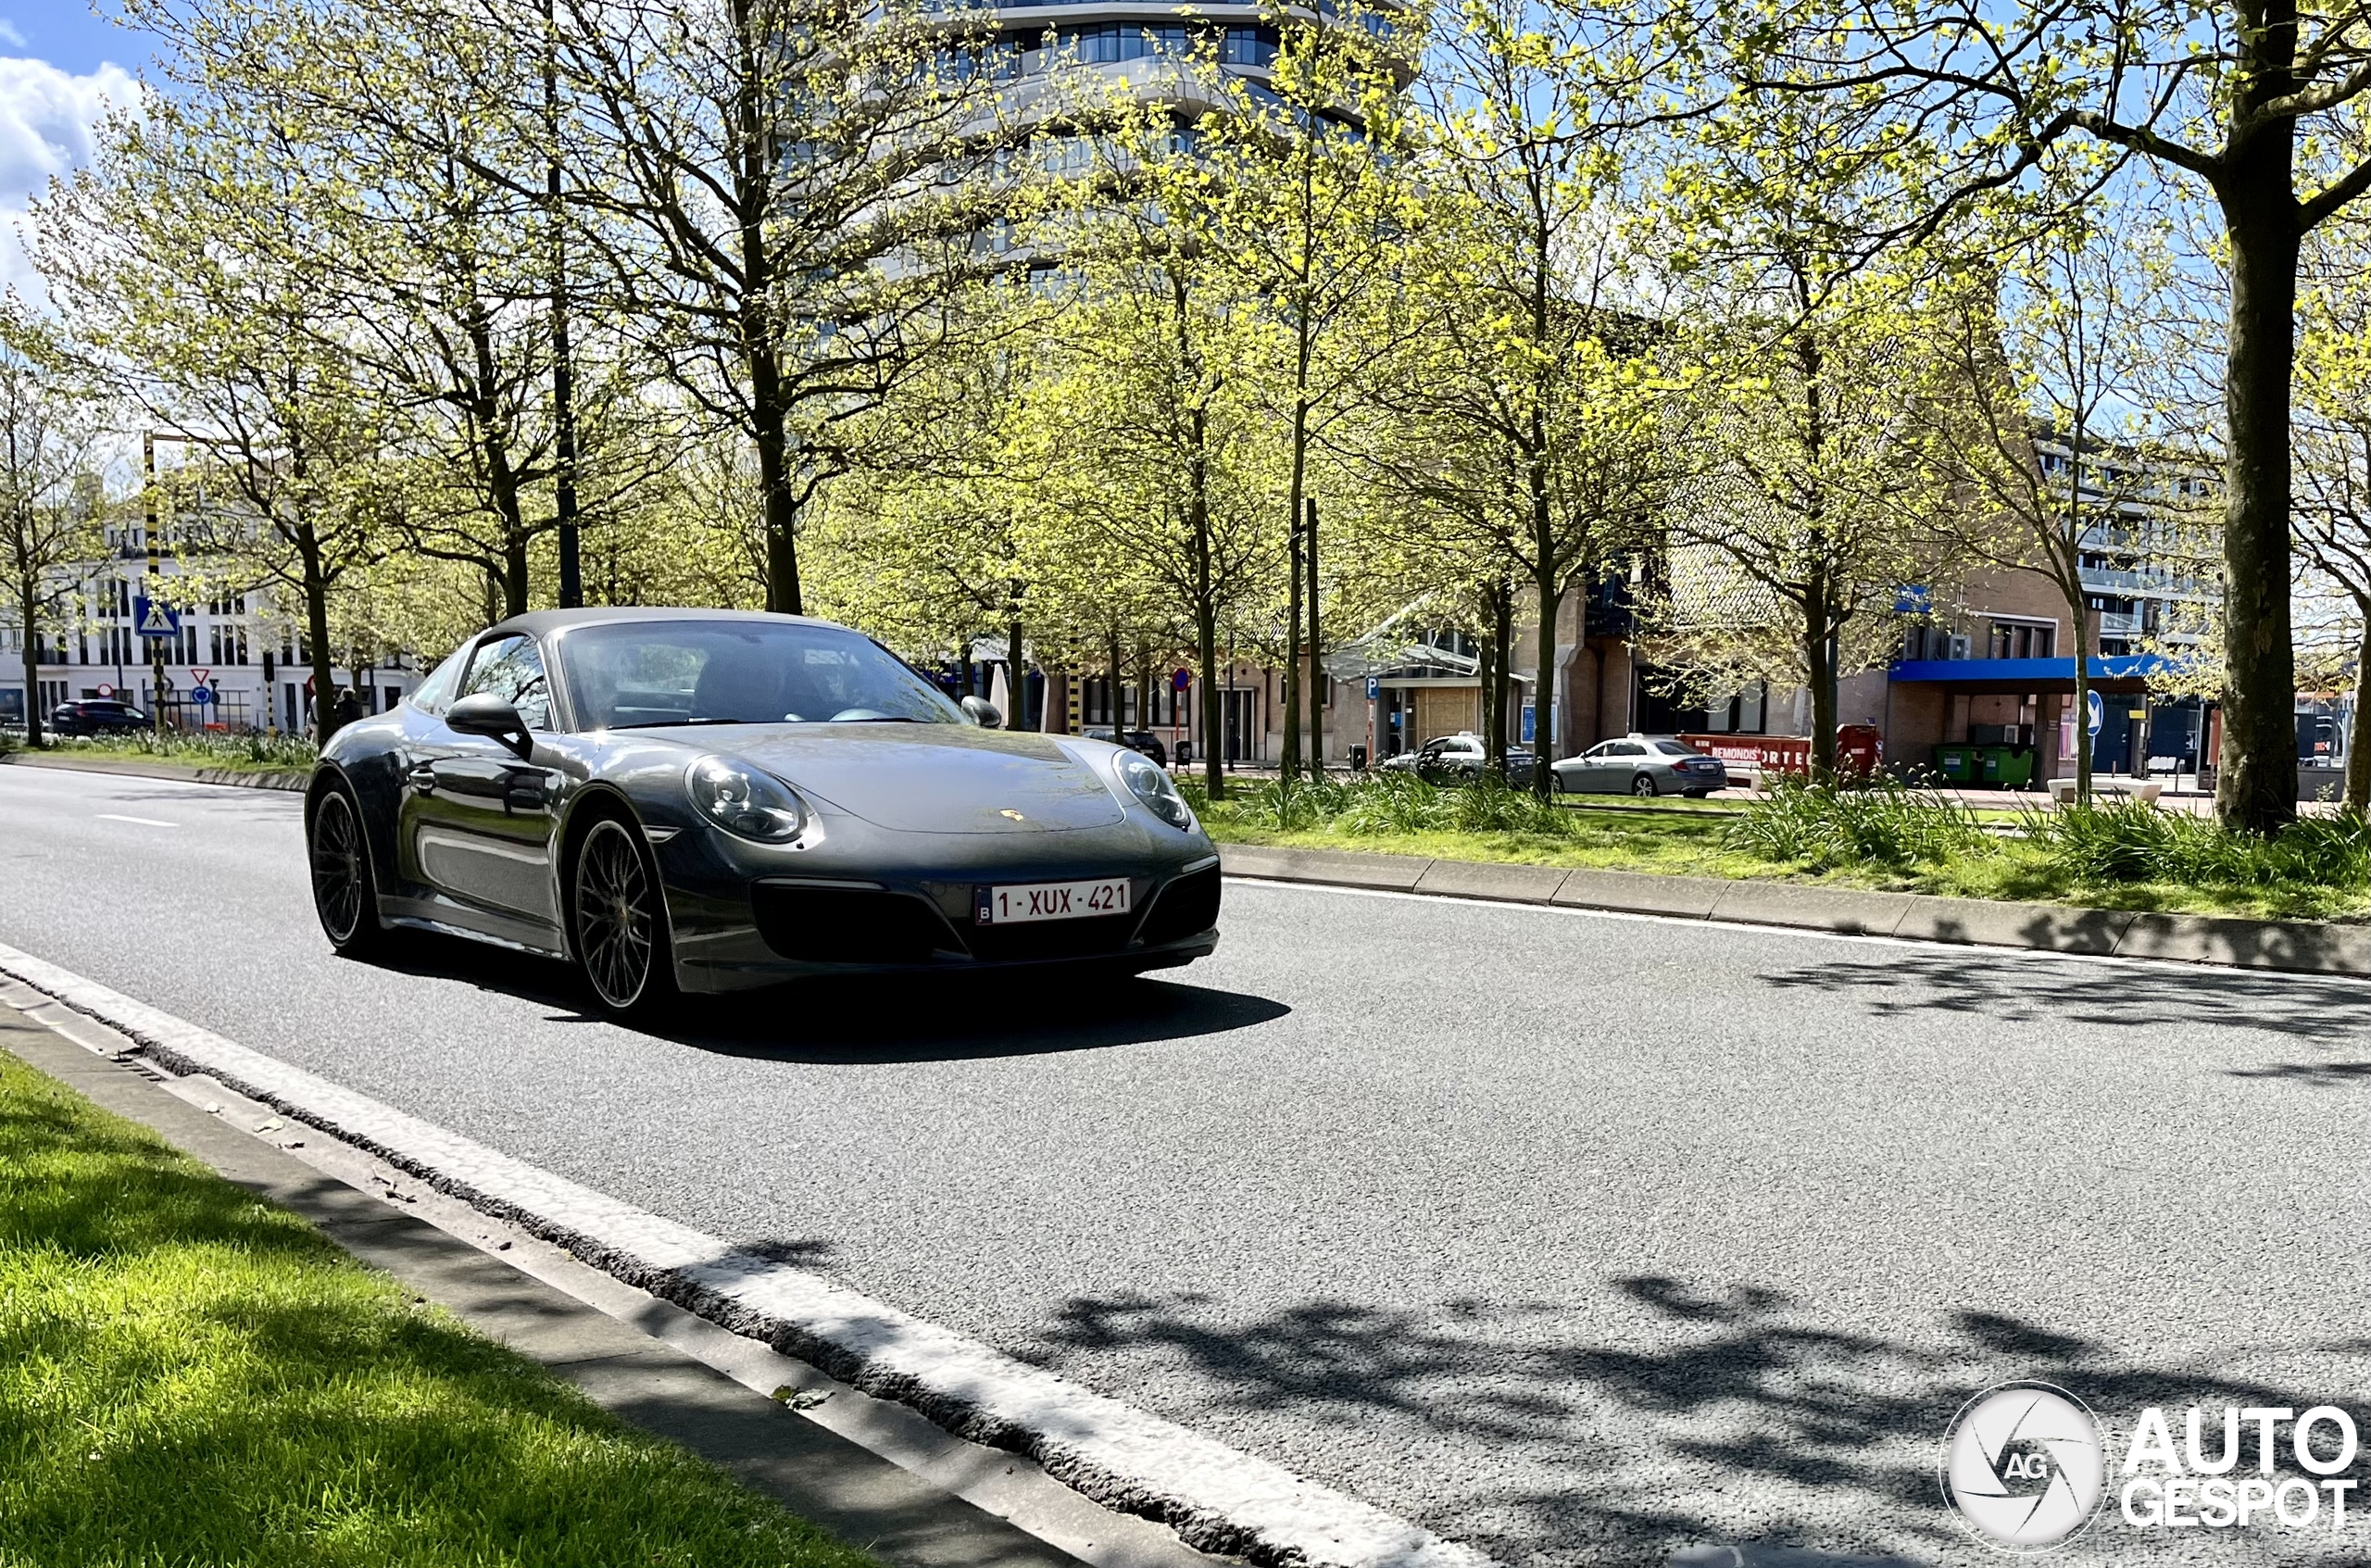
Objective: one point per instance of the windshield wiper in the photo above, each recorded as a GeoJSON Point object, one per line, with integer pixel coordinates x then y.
{"type": "Point", "coordinates": [676, 723]}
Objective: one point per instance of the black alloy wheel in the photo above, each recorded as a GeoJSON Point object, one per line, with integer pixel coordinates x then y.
{"type": "Point", "coordinates": [620, 928]}
{"type": "Point", "coordinates": [343, 895]}
{"type": "Point", "coordinates": [1644, 786]}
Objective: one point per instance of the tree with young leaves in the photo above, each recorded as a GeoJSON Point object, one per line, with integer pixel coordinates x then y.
{"type": "Point", "coordinates": [1527, 407]}
{"type": "Point", "coordinates": [48, 423]}
{"type": "Point", "coordinates": [1307, 206]}
{"type": "Point", "coordinates": [2331, 515]}
{"type": "Point", "coordinates": [2247, 103]}
{"type": "Point", "coordinates": [190, 261]}
{"type": "Point", "coordinates": [1150, 422]}
{"type": "Point", "coordinates": [787, 195]}
{"type": "Point", "coordinates": [2053, 349]}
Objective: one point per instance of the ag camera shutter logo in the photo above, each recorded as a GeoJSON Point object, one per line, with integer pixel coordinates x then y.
{"type": "Point", "coordinates": [2023, 1466]}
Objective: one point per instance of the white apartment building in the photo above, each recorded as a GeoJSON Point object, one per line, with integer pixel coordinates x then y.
{"type": "Point", "coordinates": [249, 656]}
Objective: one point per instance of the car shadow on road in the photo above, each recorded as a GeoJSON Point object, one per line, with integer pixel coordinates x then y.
{"type": "Point", "coordinates": [2334, 1014]}
{"type": "Point", "coordinates": [852, 1022]}
{"type": "Point", "coordinates": [1681, 1421]}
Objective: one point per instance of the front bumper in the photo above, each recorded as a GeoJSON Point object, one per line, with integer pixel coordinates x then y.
{"type": "Point", "coordinates": [867, 901]}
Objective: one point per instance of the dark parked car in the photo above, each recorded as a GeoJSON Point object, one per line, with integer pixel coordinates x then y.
{"type": "Point", "coordinates": [1459, 759]}
{"type": "Point", "coordinates": [1135, 740]}
{"type": "Point", "coordinates": [1641, 765]}
{"type": "Point", "coordinates": [97, 716]}
{"type": "Point", "coordinates": [712, 800]}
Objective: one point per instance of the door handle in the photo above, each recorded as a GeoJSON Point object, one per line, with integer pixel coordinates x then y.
{"type": "Point", "coordinates": [422, 779]}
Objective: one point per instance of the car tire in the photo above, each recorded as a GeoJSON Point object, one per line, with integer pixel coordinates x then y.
{"type": "Point", "coordinates": [1556, 784]}
{"type": "Point", "coordinates": [346, 896]}
{"type": "Point", "coordinates": [1644, 787]}
{"type": "Point", "coordinates": [617, 916]}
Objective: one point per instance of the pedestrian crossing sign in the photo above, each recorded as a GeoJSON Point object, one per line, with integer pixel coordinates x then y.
{"type": "Point", "coordinates": [154, 618]}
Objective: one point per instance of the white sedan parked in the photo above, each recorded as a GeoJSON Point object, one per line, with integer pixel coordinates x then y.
{"type": "Point", "coordinates": [1640, 765]}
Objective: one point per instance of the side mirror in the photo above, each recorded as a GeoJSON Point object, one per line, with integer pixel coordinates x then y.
{"type": "Point", "coordinates": [984, 713]}
{"type": "Point", "coordinates": [483, 713]}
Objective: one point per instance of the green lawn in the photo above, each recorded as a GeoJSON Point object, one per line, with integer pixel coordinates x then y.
{"type": "Point", "coordinates": [191, 1377]}
{"type": "Point", "coordinates": [193, 751]}
{"type": "Point", "coordinates": [1697, 843]}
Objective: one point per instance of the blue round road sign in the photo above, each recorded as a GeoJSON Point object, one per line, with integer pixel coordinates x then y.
{"type": "Point", "coordinates": [201, 694]}
{"type": "Point", "coordinates": [1182, 680]}
{"type": "Point", "coordinates": [2094, 711]}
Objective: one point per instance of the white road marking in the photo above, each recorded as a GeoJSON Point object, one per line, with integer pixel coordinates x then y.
{"type": "Point", "coordinates": [143, 821]}
{"type": "Point", "coordinates": [1215, 1497]}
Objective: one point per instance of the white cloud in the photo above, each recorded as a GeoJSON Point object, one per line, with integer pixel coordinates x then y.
{"type": "Point", "coordinates": [49, 121]}
{"type": "Point", "coordinates": [9, 35]}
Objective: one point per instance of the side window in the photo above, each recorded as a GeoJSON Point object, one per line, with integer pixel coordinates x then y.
{"type": "Point", "coordinates": [513, 671]}
{"type": "Point", "coordinates": [435, 693]}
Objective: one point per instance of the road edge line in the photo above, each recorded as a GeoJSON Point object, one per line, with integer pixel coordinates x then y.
{"type": "Point", "coordinates": [1216, 1498]}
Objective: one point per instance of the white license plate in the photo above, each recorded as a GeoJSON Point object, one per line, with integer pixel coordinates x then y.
{"type": "Point", "coordinates": [1052, 901]}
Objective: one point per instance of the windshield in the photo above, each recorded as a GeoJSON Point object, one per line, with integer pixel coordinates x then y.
{"type": "Point", "coordinates": [644, 672]}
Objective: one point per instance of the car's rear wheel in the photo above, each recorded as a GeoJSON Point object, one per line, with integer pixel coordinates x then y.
{"type": "Point", "coordinates": [620, 922]}
{"type": "Point", "coordinates": [344, 895]}
{"type": "Point", "coordinates": [1644, 786]}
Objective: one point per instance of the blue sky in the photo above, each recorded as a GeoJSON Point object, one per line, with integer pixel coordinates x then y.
{"type": "Point", "coordinates": [61, 65]}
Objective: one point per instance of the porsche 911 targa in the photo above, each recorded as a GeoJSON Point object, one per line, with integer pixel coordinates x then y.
{"type": "Point", "coordinates": [712, 800]}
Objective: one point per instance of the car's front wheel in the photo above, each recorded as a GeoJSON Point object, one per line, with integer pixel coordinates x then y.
{"type": "Point", "coordinates": [621, 924]}
{"type": "Point", "coordinates": [1556, 784]}
{"type": "Point", "coordinates": [1644, 786]}
{"type": "Point", "coordinates": [344, 896]}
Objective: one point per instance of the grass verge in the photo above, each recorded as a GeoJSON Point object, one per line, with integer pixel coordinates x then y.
{"type": "Point", "coordinates": [193, 751]}
{"type": "Point", "coordinates": [1891, 838]}
{"type": "Point", "coordinates": [188, 1375]}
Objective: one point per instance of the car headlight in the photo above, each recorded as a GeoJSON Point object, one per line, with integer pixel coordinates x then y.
{"type": "Point", "coordinates": [1151, 783]}
{"type": "Point", "coordinates": [744, 801]}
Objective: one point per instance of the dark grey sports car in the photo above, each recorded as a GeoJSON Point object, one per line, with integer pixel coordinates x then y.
{"type": "Point", "coordinates": [709, 800]}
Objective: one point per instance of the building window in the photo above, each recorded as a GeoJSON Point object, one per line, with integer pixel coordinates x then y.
{"type": "Point", "coordinates": [1254, 47]}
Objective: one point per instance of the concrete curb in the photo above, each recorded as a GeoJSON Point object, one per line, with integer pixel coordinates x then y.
{"type": "Point", "coordinates": [2297, 947]}
{"type": "Point", "coordinates": [276, 778]}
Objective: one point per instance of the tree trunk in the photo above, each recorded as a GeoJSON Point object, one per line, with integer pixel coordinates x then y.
{"type": "Point", "coordinates": [28, 596]}
{"type": "Point", "coordinates": [514, 573]}
{"type": "Point", "coordinates": [771, 421]}
{"type": "Point", "coordinates": [2082, 703]}
{"type": "Point", "coordinates": [1502, 639]}
{"type": "Point", "coordinates": [1206, 651]}
{"type": "Point", "coordinates": [1494, 757]}
{"type": "Point", "coordinates": [317, 624]}
{"type": "Point", "coordinates": [1543, 694]}
{"type": "Point", "coordinates": [2256, 791]}
{"type": "Point", "coordinates": [1288, 760]}
{"type": "Point", "coordinates": [2358, 736]}
{"type": "Point", "coordinates": [1316, 671]}
{"type": "Point", "coordinates": [1819, 663]}
{"type": "Point", "coordinates": [1015, 679]}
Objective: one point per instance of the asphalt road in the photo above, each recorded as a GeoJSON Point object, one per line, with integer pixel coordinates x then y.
{"type": "Point", "coordinates": [1576, 1237]}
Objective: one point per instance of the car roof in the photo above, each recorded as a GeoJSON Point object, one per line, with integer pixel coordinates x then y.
{"type": "Point", "coordinates": [541, 622]}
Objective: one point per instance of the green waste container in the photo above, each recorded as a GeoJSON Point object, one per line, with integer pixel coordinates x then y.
{"type": "Point", "coordinates": [2002, 767]}
{"type": "Point", "coordinates": [1956, 763]}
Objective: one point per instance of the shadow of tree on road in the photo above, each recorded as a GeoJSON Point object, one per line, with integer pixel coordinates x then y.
{"type": "Point", "coordinates": [2022, 991]}
{"type": "Point", "coordinates": [1674, 1415]}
